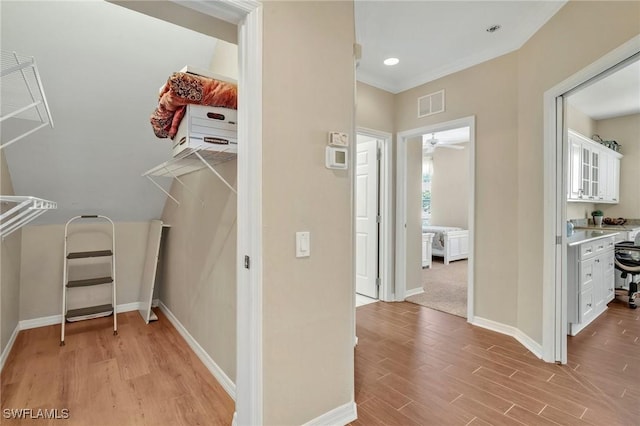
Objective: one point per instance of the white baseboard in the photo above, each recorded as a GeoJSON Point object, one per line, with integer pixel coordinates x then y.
{"type": "Point", "coordinates": [533, 346]}
{"type": "Point", "coordinates": [413, 292]}
{"type": "Point", "coordinates": [526, 341]}
{"type": "Point", "coordinates": [7, 349]}
{"type": "Point", "coordinates": [341, 416]}
{"type": "Point", "coordinates": [56, 319]}
{"type": "Point", "coordinates": [211, 365]}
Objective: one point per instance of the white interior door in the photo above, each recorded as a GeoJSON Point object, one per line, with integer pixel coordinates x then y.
{"type": "Point", "coordinates": [366, 218]}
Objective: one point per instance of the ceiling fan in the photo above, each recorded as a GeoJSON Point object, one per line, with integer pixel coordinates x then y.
{"type": "Point", "coordinates": [432, 143]}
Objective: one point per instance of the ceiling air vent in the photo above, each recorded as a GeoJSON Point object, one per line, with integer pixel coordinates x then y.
{"type": "Point", "coordinates": [432, 103]}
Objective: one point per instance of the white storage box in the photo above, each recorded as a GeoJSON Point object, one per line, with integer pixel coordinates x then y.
{"type": "Point", "coordinates": [208, 128]}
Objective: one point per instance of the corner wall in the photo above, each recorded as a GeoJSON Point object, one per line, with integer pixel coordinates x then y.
{"type": "Point", "coordinates": [450, 187]}
{"type": "Point", "coordinates": [414, 214]}
{"type": "Point", "coordinates": [375, 108]}
{"type": "Point", "coordinates": [10, 251]}
{"type": "Point", "coordinates": [42, 263]}
{"type": "Point", "coordinates": [488, 91]}
{"type": "Point", "coordinates": [199, 262]}
{"type": "Point", "coordinates": [624, 130]}
{"type": "Point", "coordinates": [308, 303]}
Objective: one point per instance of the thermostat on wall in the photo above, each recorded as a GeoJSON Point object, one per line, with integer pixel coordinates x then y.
{"type": "Point", "coordinates": [337, 158]}
{"type": "Point", "coordinates": [338, 139]}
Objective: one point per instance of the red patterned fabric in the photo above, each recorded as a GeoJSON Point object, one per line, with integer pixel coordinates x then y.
{"type": "Point", "coordinates": [182, 89]}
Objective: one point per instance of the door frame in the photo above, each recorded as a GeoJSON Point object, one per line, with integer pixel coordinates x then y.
{"type": "Point", "coordinates": [401, 204]}
{"type": "Point", "coordinates": [249, 369]}
{"type": "Point", "coordinates": [385, 193]}
{"type": "Point", "coordinates": [555, 150]}
{"type": "Point", "coordinates": [247, 15]}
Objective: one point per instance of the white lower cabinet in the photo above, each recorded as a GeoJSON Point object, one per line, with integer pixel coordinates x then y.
{"type": "Point", "coordinates": [590, 281]}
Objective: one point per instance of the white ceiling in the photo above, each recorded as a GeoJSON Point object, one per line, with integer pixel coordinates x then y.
{"type": "Point", "coordinates": [436, 38]}
{"type": "Point", "coordinates": [616, 95]}
{"type": "Point", "coordinates": [101, 66]}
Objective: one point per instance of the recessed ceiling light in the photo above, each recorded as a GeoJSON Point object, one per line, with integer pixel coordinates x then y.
{"type": "Point", "coordinates": [391, 61]}
{"type": "Point", "coordinates": [493, 28]}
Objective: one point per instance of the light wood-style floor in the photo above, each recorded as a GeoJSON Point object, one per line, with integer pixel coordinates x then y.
{"type": "Point", "coordinates": [414, 366]}
{"type": "Point", "coordinates": [418, 366]}
{"type": "Point", "coordinates": [147, 375]}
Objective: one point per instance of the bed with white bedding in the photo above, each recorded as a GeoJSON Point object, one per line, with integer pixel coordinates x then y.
{"type": "Point", "coordinates": [449, 242]}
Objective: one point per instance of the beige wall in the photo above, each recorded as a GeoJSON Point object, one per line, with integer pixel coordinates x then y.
{"type": "Point", "coordinates": [10, 249]}
{"type": "Point", "coordinates": [199, 262]}
{"type": "Point", "coordinates": [626, 131]}
{"type": "Point", "coordinates": [450, 187]}
{"type": "Point", "coordinates": [488, 91]}
{"type": "Point", "coordinates": [308, 90]}
{"type": "Point", "coordinates": [548, 58]}
{"type": "Point", "coordinates": [375, 108]}
{"type": "Point", "coordinates": [414, 213]}
{"type": "Point", "coordinates": [42, 263]}
{"type": "Point", "coordinates": [198, 268]}
{"type": "Point", "coordinates": [580, 122]}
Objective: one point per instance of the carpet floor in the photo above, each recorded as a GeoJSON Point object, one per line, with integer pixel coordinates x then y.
{"type": "Point", "coordinates": [445, 287]}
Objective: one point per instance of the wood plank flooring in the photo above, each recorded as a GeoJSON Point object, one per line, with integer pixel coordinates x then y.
{"type": "Point", "coordinates": [418, 366]}
{"type": "Point", "coordinates": [414, 366]}
{"type": "Point", "coordinates": [147, 375]}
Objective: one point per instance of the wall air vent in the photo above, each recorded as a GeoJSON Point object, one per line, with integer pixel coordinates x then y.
{"type": "Point", "coordinates": [430, 104]}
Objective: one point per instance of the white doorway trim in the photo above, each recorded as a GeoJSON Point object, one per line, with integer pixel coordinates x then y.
{"type": "Point", "coordinates": [401, 205]}
{"type": "Point", "coordinates": [554, 308]}
{"type": "Point", "coordinates": [385, 189]}
{"type": "Point", "coordinates": [249, 374]}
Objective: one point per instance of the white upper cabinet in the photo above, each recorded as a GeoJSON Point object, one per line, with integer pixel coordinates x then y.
{"type": "Point", "coordinates": [594, 171]}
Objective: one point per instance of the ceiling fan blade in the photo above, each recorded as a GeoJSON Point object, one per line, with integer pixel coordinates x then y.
{"type": "Point", "coordinates": [449, 146]}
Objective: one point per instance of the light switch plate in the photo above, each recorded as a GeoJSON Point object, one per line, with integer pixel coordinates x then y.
{"type": "Point", "coordinates": [303, 244]}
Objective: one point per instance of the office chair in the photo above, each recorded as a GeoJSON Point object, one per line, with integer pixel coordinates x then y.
{"type": "Point", "coordinates": [627, 259]}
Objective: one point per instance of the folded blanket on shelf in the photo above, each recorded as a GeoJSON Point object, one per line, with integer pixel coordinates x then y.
{"type": "Point", "coordinates": [182, 89]}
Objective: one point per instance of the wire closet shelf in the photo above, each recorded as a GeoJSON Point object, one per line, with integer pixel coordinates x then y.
{"type": "Point", "coordinates": [25, 210]}
{"type": "Point", "coordinates": [187, 162]}
{"type": "Point", "coordinates": [23, 97]}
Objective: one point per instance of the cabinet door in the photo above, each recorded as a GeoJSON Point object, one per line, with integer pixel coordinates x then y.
{"type": "Point", "coordinates": [599, 292]}
{"type": "Point", "coordinates": [586, 305]}
{"type": "Point", "coordinates": [586, 172]}
{"type": "Point", "coordinates": [608, 275]}
{"type": "Point", "coordinates": [604, 195]}
{"type": "Point", "coordinates": [575, 168]}
{"type": "Point", "coordinates": [587, 273]}
{"type": "Point", "coordinates": [595, 175]}
{"type": "Point", "coordinates": [613, 172]}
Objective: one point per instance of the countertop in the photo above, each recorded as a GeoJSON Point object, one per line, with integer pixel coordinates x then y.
{"type": "Point", "coordinates": [585, 236]}
{"type": "Point", "coordinates": [630, 225]}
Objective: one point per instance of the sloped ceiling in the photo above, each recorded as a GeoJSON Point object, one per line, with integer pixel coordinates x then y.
{"type": "Point", "coordinates": [101, 66]}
